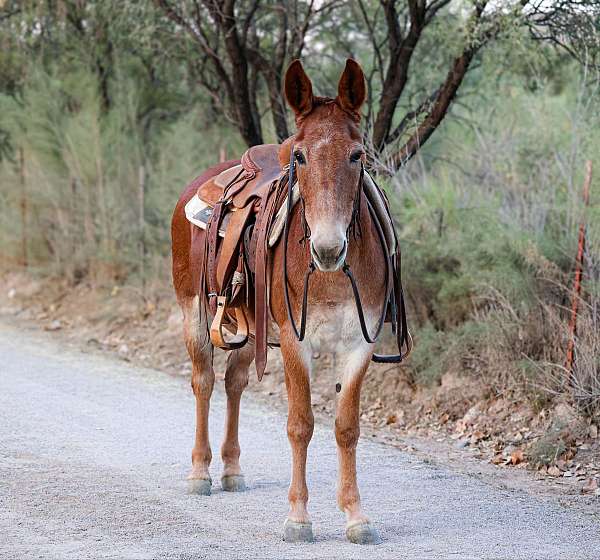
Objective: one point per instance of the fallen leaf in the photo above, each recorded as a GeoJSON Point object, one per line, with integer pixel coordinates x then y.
{"type": "Point", "coordinates": [553, 471]}
{"type": "Point", "coordinates": [590, 486]}
{"type": "Point", "coordinates": [476, 436]}
{"type": "Point", "coordinates": [571, 453]}
{"type": "Point", "coordinates": [508, 450]}
{"type": "Point", "coordinates": [391, 419]}
{"type": "Point", "coordinates": [497, 459]}
{"type": "Point", "coordinates": [516, 457]}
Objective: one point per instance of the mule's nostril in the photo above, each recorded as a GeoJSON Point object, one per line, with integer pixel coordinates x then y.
{"type": "Point", "coordinates": [328, 255]}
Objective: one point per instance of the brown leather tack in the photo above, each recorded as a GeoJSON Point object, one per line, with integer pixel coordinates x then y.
{"type": "Point", "coordinates": [249, 194]}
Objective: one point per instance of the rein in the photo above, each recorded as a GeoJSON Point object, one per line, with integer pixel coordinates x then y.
{"type": "Point", "coordinates": [393, 286]}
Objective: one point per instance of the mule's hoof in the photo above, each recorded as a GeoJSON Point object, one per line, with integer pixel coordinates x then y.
{"type": "Point", "coordinates": [199, 486]}
{"type": "Point", "coordinates": [294, 532]}
{"type": "Point", "coordinates": [233, 483]}
{"type": "Point", "coordinates": [363, 533]}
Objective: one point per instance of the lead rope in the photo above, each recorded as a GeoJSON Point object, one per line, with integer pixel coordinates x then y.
{"type": "Point", "coordinates": [346, 269]}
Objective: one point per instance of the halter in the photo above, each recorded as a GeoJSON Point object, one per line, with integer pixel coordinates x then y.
{"type": "Point", "coordinates": [393, 286]}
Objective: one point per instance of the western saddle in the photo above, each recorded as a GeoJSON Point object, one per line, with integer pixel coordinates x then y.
{"type": "Point", "coordinates": [243, 210]}
{"type": "Point", "coordinates": [239, 207]}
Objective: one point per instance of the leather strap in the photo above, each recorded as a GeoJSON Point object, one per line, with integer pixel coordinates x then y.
{"type": "Point", "coordinates": [230, 245]}
{"type": "Point", "coordinates": [212, 240]}
{"type": "Point", "coordinates": [261, 316]}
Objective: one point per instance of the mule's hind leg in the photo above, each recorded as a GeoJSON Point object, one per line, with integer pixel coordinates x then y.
{"type": "Point", "coordinates": [203, 377]}
{"type": "Point", "coordinates": [236, 379]}
{"type": "Point", "coordinates": [347, 432]}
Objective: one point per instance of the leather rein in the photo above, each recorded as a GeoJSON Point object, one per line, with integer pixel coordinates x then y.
{"type": "Point", "coordinates": [394, 297]}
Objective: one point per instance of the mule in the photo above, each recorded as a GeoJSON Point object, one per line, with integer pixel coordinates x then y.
{"type": "Point", "coordinates": [328, 156]}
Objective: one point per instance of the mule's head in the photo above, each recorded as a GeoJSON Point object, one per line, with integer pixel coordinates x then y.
{"type": "Point", "coordinates": [328, 153]}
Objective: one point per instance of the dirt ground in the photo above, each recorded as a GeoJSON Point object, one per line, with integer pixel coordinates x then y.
{"type": "Point", "coordinates": [105, 477]}
{"type": "Point", "coordinates": [546, 450]}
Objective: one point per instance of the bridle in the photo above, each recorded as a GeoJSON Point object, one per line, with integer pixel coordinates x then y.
{"type": "Point", "coordinates": [394, 298]}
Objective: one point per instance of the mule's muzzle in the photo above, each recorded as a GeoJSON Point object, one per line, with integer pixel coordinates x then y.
{"type": "Point", "coordinates": [329, 256]}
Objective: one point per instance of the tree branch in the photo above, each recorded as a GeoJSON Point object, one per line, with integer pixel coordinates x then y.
{"type": "Point", "coordinates": [440, 101]}
{"type": "Point", "coordinates": [401, 53]}
{"type": "Point", "coordinates": [440, 106]}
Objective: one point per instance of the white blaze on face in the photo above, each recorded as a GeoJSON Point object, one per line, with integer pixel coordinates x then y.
{"type": "Point", "coordinates": [328, 228]}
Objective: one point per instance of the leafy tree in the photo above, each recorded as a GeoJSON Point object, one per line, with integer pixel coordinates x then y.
{"type": "Point", "coordinates": [238, 45]}
{"type": "Point", "coordinates": [241, 43]}
{"type": "Point", "coordinates": [231, 54]}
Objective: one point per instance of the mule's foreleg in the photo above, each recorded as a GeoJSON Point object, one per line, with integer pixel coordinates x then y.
{"type": "Point", "coordinates": [203, 378]}
{"type": "Point", "coordinates": [347, 432]}
{"type": "Point", "coordinates": [300, 425]}
{"type": "Point", "coordinates": [236, 380]}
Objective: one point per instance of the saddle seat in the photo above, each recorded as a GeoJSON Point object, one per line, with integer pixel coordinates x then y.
{"type": "Point", "coordinates": [247, 181]}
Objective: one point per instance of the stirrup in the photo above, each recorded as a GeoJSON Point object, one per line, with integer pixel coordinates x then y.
{"type": "Point", "coordinates": [217, 336]}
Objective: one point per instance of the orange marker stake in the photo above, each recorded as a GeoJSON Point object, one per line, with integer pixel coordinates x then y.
{"type": "Point", "coordinates": [578, 272]}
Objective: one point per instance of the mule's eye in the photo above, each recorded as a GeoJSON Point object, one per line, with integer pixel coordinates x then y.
{"type": "Point", "coordinates": [299, 158]}
{"type": "Point", "coordinates": [356, 156]}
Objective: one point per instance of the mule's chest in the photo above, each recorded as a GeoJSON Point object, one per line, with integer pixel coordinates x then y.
{"type": "Point", "coordinates": [333, 328]}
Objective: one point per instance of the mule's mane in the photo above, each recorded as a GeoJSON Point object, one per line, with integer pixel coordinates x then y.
{"type": "Point", "coordinates": [329, 102]}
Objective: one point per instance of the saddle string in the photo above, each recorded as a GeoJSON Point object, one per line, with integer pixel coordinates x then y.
{"type": "Point", "coordinates": [305, 229]}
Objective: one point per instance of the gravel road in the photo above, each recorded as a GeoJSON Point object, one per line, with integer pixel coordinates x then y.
{"type": "Point", "coordinates": [94, 454]}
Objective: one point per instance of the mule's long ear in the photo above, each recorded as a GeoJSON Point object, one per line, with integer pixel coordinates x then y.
{"type": "Point", "coordinates": [352, 89]}
{"type": "Point", "coordinates": [298, 89]}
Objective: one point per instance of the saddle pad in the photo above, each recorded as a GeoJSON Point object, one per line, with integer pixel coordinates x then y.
{"type": "Point", "coordinates": [199, 212]}
{"type": "Point", "coordinates": [279, 221]}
